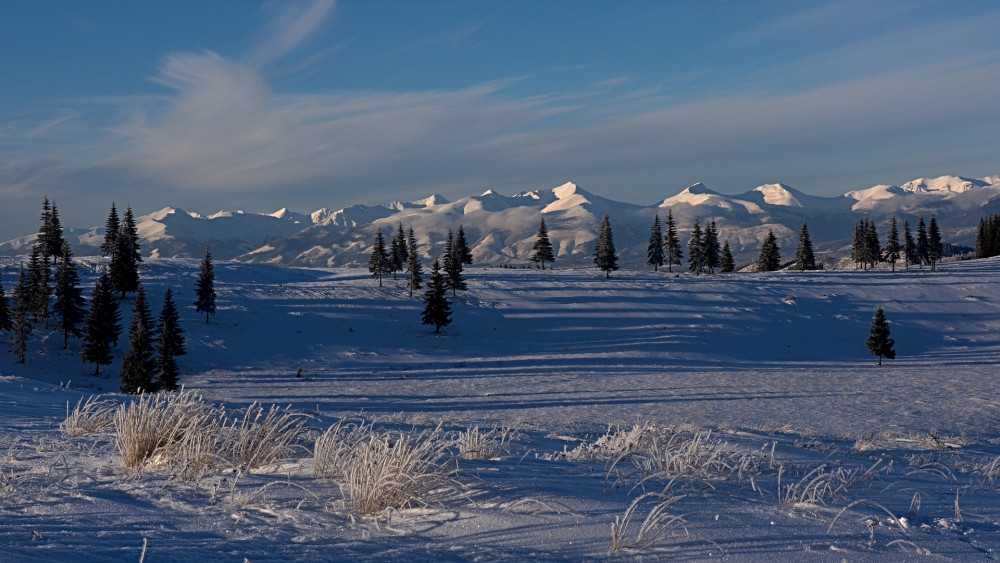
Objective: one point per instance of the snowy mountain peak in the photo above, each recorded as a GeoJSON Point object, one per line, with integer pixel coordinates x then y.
{"type": "Point", "coordinates": [954, 184]}
{"type": "Point", "coordinates": [163, 214]}
{"type": "Point", "coordinates": [698, 188]}
{"type": "Point", "coordinates": [490, 192]}
{"type": "Point", "coordinates": [431, 201]}
{"type": "Point", "coordinates": [566, 190]}
{"type": "Point", "coordinates": [779, 194]}
{"type": "Point", "coordinates": [696, 194]}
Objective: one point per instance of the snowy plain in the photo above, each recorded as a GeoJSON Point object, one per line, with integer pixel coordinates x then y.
{"type": "Point", "coordinates": [774, 365]}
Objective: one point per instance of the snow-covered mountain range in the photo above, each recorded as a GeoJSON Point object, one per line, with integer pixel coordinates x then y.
{"type": "Point", "coordinates": [501, 229]}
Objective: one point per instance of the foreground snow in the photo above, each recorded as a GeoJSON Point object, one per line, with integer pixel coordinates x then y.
{"type": "Point", "coordinates": [774, 365]}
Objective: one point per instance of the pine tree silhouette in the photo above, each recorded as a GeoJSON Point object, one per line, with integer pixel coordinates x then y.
{"type": "Point", "coordinates": [437, 311]}
{"type": "Point", "coordinates": [205, 287]}
{"type": "Point", "coordinates": [604, 254]}
{"type": "Point", "coordinates": [879, 343]}
{"type": "Point", "coordinates": [654, 252]}
{"type": "Point", "coordinates": [169, 344]}
{"type": "Point", "coordinates": [138, 364]}
{"type": "Point", "coordinates": [543, 247]}
{"type": "Point", "coordinates": [804, 257]}
{"type": "Point", "coordinates": [413, 268]}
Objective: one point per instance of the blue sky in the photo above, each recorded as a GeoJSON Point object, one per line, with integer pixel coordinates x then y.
{"type": "Point", "coordinates": [231, 104]}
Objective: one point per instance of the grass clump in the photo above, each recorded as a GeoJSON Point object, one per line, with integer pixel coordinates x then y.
{"type": "Point", "coordinates": [381, 471]}
{"type": "Point", "coordinates": [92, 416]}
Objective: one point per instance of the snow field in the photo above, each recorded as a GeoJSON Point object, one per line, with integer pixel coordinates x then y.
{"type": "Point", "coordinates": [746, 421]}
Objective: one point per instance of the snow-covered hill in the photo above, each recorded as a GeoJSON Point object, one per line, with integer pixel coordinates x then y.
{"type": "Point", "coordinates": [501, 229]}
{"type": "Point", "coordinates": [780, 439]}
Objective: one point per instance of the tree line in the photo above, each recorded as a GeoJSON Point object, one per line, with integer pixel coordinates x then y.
{"type": "Point", "coordinates": [48, 298]}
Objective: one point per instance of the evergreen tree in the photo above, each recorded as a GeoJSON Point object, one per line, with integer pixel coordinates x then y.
{"type": "Point", "coordinates": [858, 245]}
{"type": "Point", "coordinates": [462, 248]}
{"type": "Point", "coordinates": [654, 252]}
{"type": "Point", "coordinates": [101, 325]}
{"type": "Point", "coordinates": [453, 266]}
{"type": "Point", "coordinates": [50, 240]}
{"type": "Point", "coordinates": [205, 287]}
{"type": "Point", "coordinates": [934, 247]}
{"type": "Point", "coordinates": [40, 279]}
{"type": "Point", "coordinates": [604, 254]}
{"type": "Point", "coordinates": [543, 248]}
{"type": "Point", "coordinates": [879, 343]}
{"type": "Point", "coordinates": [923, 245]}
{"type": "Point", "coordinates": [892, 247]}
{"type": "Point", "coordinates": [671, 244]}
{"type": "Point", "coordinates": [437, 310]}
{"type": "Point", "coordinates": [988, 237]}
{"type": "Point", "coordinates": [130, 232]}
{"type": "Point", "coordinates": [5, 321]}
{"type": "Point", "coordinates": [138, 365]}
{"type": "Point", "coordinates": [770, 257]}
{"type": "Point", "coordinates": [909, 247]}
{"type": "Point", "coordinates": [413, 267]}
{"type": "Point", "coordinates": [804, 257]}
{"type": "Point", "coordinates": [111, 229]}
{"type": "Point", "coordinates": [696, 248]}
{"type": "Point", "coordinates": [873, 248]}
{"type": "Point", "coordinates": [123, 271]}
{"type": "Point", "coordinates": [378, 265]}
{"type": "Point", "coordinates": [69, 304]}
{"type": "Point", "coordinates": [710, 252]}
{"type": "Point", "coordinates": [169, 344]}
{"type": "Point", "coordinates": [397, 251]}
{"type": "Point", "coordinates": [20, 320]}
{"type": "Point", "coordinates": [728, 265]}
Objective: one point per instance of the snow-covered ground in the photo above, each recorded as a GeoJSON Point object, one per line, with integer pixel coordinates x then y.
{"type": "Point", "coordinates": [841, 458]}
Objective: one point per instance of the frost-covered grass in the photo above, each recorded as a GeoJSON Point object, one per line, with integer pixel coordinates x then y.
{"type": "Point", "coordinates": [693, 418]}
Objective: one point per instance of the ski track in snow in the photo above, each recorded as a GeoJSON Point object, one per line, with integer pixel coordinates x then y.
{"type": "Point", "coordinates": [762, 359]}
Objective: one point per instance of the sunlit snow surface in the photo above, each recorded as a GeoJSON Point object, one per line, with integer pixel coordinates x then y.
{"type": "Point", "coordinates": [760, 359]}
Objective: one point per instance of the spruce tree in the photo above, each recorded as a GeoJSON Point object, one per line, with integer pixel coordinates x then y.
{"type": "Point", "coordinates": [696, 249]}
{"type": "Point", "coordinates": [111, 229]}
{"type": "Point", "coordinates": [50, 239]}
{"type": "Point", "coordinates": [654, 252]}
{"type": "Point", "coordinates": [604, 253]}
{"type": "Point", "coordinates": [69, 303]}
{"type": "Point", "coordinates": [892, 244]}
{"type": "Point", "coordinates": [453, 266]}
{"type": "Point", "coordinates": [123, 270]}
{"type": "Point", "coordinates": [728, 265]}
{"type": "Point", "coordinates": [205, 287]}
{"type": "Point", "coordinates": [770, 257]}
{"type": "Point", "coordinates": [40, 279]}
{"type": "Point", "coordinates": [873, 248]}
{"type": "Point", "coordinates": [20, 319]}
{"type": "Point", "coordinates": [922, 243]}
{"type": "Point", "coordinates": [804, 257]}
{"type": "Point", "coordinates": [858, 246]}
{"type": "Point", "coordinates": [138, 365]}
{"type": "Point", "coordinates": [413, 268]}
{"type": "Point", "coordinates": [169, 344]}
{"type": "Point", "coordinates": [378, 264]}
{"type": "Point", "coordinates": [543, 247]}
{"type": "Point", "coordinates": [131, 233]}
{"type": "Point", "coordinates": [462, 248]}
{"type": "Point", "coordinates": [934, 247]}
{"type": "Point", "coordinates": [879, 343]}
{"type": "Point", "coordinates": [671, 244]}
{"type": "Point", "coordinates": [909, 247]}
{"type": "Point", "coordinates": [437, 310]}
{"type": "Point", "coordinates": [397, 251]}
{"type": "Point", "coordinates": [5, 321]}
{"type": "Point", "coordinates": [101, 325]}
{"type": "Point", "coordinates": [710, 251]}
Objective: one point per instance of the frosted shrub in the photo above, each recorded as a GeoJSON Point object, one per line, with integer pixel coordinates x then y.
{"type": "Point", "coordinates": [698, 454]}
{"type": "Point", "coordinates": [386, 471]}
{"type": "Point", "coordinates": [261, 439]}
{"type": "Point", "coordinates": [475, 444]}
{"type": "Point", "coordinates": [153, 423]}
{"type": "Point", "coordinates": [90, 417]}
{"type": "Point", "coordinates": [334, 448]}
{"type": "Point", "coordinates": [616, 443]}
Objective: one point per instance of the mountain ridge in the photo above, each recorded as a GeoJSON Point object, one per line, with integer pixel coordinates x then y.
{"type": "Point", "coordinates": [501, 229]}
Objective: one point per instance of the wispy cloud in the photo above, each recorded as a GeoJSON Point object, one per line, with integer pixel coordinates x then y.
{"type": "Point", "coordinates": [291, 25]}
